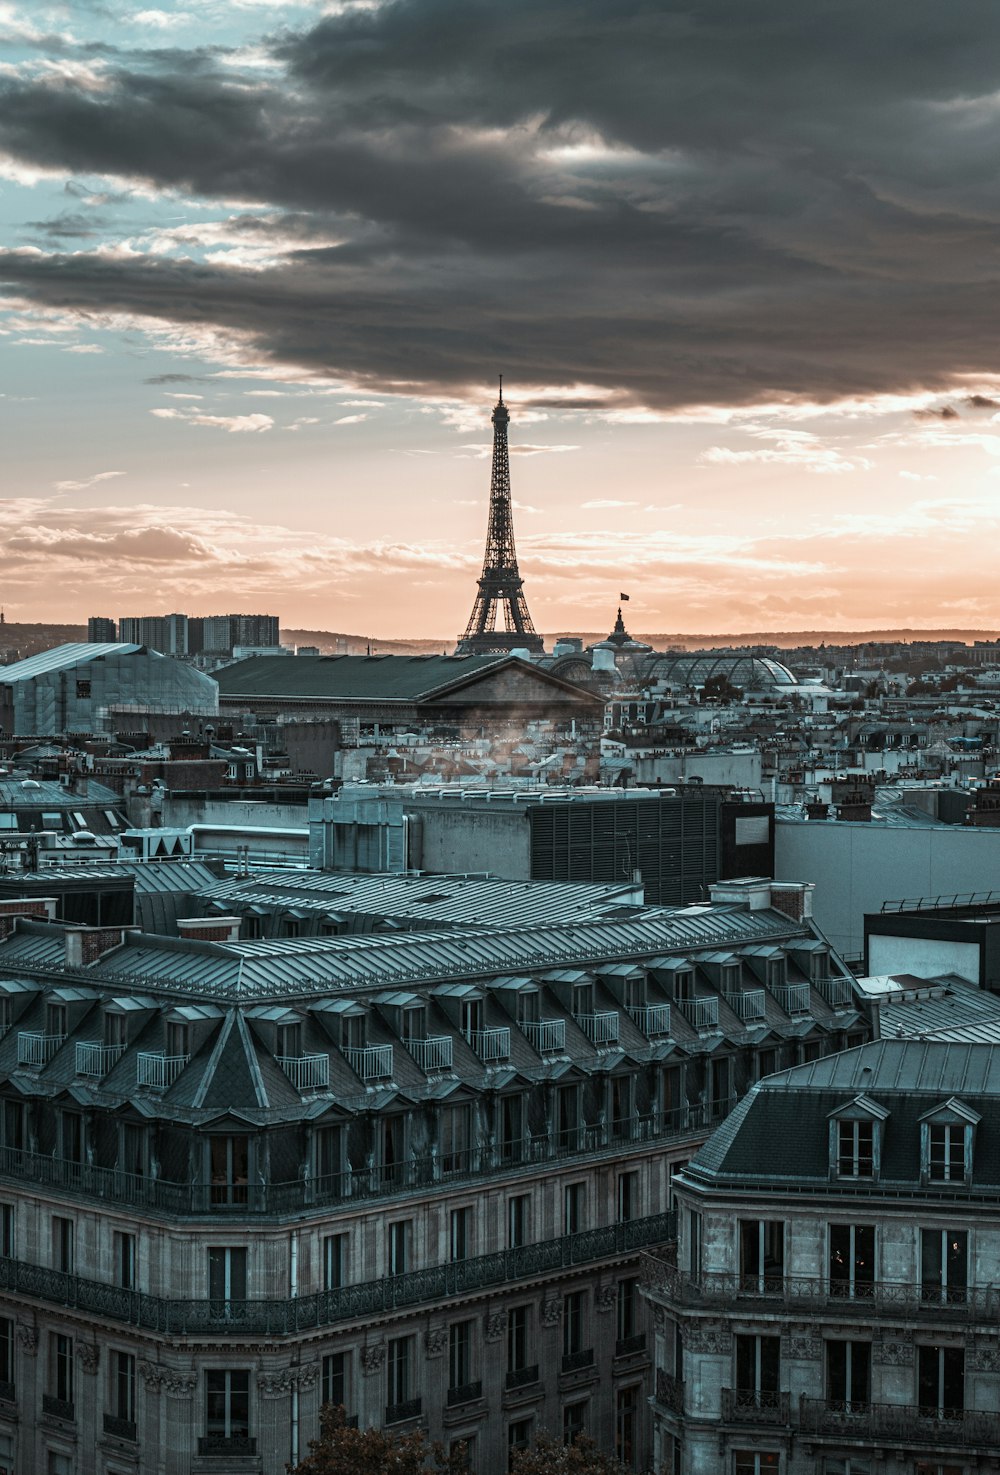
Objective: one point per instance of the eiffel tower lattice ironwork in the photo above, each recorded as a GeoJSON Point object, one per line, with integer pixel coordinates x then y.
{"type": "Point", "coordinates": [500, 584]}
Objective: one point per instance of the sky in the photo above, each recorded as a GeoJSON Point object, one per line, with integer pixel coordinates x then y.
{"type": "Point", "coordinates": [261, 264]}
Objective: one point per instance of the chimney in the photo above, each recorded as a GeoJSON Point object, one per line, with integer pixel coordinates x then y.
{"type": "Point", "coordinates": [794, 898]}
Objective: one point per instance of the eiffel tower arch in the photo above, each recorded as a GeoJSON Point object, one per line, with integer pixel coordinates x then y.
{"type": "Point", "coordinates": [501, 588]}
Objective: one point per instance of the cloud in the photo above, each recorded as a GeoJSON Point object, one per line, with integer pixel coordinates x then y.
{"type": "Point", "coordinates": [90, 481]}
{"type": "Point", "coordinates": [942, 412]}
{"type": "Point", "coordinates": [982, 402]}
{"type": "Point", "coordinates": [234, 424]}
{"type": "Point", "coordinates": [350, 420]}
{"type": "Point", "coordinates": [599, 503]}
{"type": "Point", "coordinates": [550, 190]}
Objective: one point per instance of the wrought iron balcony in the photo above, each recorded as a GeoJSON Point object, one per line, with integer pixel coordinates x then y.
{"type": "Point", "coordinates": [158, 1071]}
{"type": "Point", "coordinates": [306, 1072]}
{"type": "Point", "coordinates": [120, 1428]}
{"type": "Point", "coordinates": [225, 1446]}
{"type": "Point", "coordinates": [755, 1406]}
{"type": "Point", "coordinates": [490, 1044]}
{"type": "Point", "coordinates": [521, 1377]}
{"type": "Point", "coordinates": [59, 1408]}
{"type": "Point", "coordinates": [600, 1029]}
{"type": "Point", "coordinates": [467, 1393]}
{"type": "Point", "coordinates": [93, 1058]}
{"type": "Point", "coordinates": [629, 1346]}
{"type": "Point", "coordinates": [36, 1050]}
{"type": "Point", "coordinates": [838, 992]}
{"type": "Point", "coordinates": [670, 1392]}
{"type": "Point", "coordinates": [436, 1283]}
{"type": "Point", "coordinates": [370, 1062]}
{"type": "Point", "coordinates": [700, 1013]}
{"type": "Point", "coordinates": [434, 1053]}
{"type": "Point", "coordinates": [871, 1301]}
{"type": "Point", "coordinates": [906, 1425]}
{"type": "Point", "coordinates": [749, 1005]}
{"type": "Point", "coordinates": [8, 1393]}
{"type": "Point", "coordinates": [573, 1361]}
{"type": "Point", "coordinates": [545, 1035]}
{"type": "Point", "coordinates": [794, 998]}
{"type": "Point", "coordinates": [395, 1413]}
{"type": "Point", "coordinates": [652, 1019]}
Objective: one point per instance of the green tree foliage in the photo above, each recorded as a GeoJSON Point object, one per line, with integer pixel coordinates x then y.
{"type": "Point", "coordinates": [342, 1450]}
{"type": "Point", "coordinates": [719, 688]}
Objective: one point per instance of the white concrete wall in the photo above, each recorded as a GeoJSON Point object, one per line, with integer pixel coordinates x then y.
{"type": "Point", "coordinates": [924, 957]}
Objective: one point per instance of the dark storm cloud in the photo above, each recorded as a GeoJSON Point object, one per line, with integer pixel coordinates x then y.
{"type": "Point", "coordinates": [675, 203]}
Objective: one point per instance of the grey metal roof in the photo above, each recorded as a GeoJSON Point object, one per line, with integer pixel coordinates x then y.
{"type": "Point", "coordinates": [900, 1065]}
{"type": "Point", "coordinates": [364, 678]}
{"type": "Point", "coordinates": [63, 657]}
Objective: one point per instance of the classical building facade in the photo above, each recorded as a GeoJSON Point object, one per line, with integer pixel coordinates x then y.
{"type": "Point", "coordinates": [411, 1174]}
{"type": "Point", "coordinates": [831, 1308]}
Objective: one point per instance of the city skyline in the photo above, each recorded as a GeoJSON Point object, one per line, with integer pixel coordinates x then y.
{"type": "Point", "coordinates": [262, 263]}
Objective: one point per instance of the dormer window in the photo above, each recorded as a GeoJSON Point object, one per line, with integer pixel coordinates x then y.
{"type": "Point", "coordinates": [583, 999]}
{"type": "Point", "coordinates": [634, 993]}
{"type": "Point", "coordinates": [856, 1132]}
{"type": "Point", "coordinates": [732, 978]}
{"type": "Point", "coordinates": [415, 1022]}
{"type": "Point", "coordinates": [352, 1032]}
{"type": "Point", "coordinates": [289, 1038]}
{"type": "Point", "coordinates": [55, 1019]}
{"type": "Point", "coordinates": [684, 985]}
{"type": "Point", "coordinates": [115, 1029]}
{"type": "Point", "coordinates": [947, 1140]}
{"type": "Point", "coordinates": [529, 1009]}
{"type": "Point", "coordinates": [178, 1044]}
{"type": "Point", "coordinates": [776, 972]}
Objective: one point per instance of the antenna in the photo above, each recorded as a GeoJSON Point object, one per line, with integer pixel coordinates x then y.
{"type": "Point", "coordinates": [501, 386]}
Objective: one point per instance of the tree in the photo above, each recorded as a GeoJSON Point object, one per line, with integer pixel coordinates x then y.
{"type": "Point", "coordinates": [343, 1450]}
{"type": "Point", "coordinates": [549, 1457]}
{"type": "Point", "coordinates": [719, 688]}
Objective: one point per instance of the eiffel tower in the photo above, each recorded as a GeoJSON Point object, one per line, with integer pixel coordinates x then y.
{"type": "Point", "coordinates": [500, 584]}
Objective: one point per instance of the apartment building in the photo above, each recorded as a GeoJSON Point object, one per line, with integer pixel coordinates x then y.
{"type": "Point", "coordinates": [831, 1307]}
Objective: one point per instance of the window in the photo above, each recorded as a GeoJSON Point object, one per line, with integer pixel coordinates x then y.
{"type": "Point", "coordinates": [944, 1264]}
{"type": "Point", "coordinates": [459, 1354]}
{"type": "Point", "coordinates": [628, 1196]}
{"type": "Point", "coordinates": [721, 1086]}
{"type": "Point", "coordinates": [848, 1375]}
{"type": "Point", "coordinates": [122, 1389]}
{"type": "Point", "coordinates": [511, 1129]}
{"type": "Point", "coordinates": [946, 1163]}
{"type": "Point", "coordinates": [517, 1339]}
{"type": "Point", "coordinates": [517, 1220]}
{"type": "Point", "coordinates": [762, 1254]}
{"type": "Point", "coordinates": [334, 1261]}
{"type": "Point", "coordinates": [71, 1136]}
{"type": "Point", "coordinates": [529, 1007]}
{"type": "Point", "coordinates": [124, 1253]}
{"type": "Point", "coordinates": [455, 1137]}
{"type": "Point", "coordinates": [583, 998]}
{"type": "Point", "coordinates": [573, 1308]}
{"type": "Point", "coordinates": [694, 1243]}
{"type": "Point", "coordinates": [289, 1040]}
{"type": "Point", "coordinates": [460, 1227]}
{"type": "Point", "coordinates": [400, 1240]}
{"type": "Point", "coordinates": [333, 1388]}
{"type": "Point", "coordinates": [227, 1273]}
{"type": "Point", "coordinates": [414, 1022]}
{"type": "Point", "coordinates": [767, 1063]}
{"type": "Point", "coordinates": [227, 1404]}
{"type": "Point", "coordinates": [941, 1381]}
{"type": "Point", "coordinates": [132, 1149]}
{"type": "Point", "coordinates": [856, 1149]}
{"type": "Point", "coordinates": [622, 1105]}
{"type": "Point", "coordinates": [12, 1122]}
{"type": "Point", "coordinates": [7, 1237]}
{"type": "Point", "coordinates": [751, 1462]}
{"type": "Point", "coordinates": [852, 1259]}
{"type": "Point", "coordinates": [518, 1436]}
{"type": "Point", "coordinates": [229, 1169]}
{"type": "Point", "coordinates": [55, 1020]}
{"type": "Point", "coordinates": [115, 1028]}
{"type": "Point", "coordinates": [62, 1244]}
{"type": "Point", "coordinates": [568, 1117]}
{"type": "Point", "coordinates": [6, 1015]}
{"type": "Point", "coordinates": [758, 1370]}
{"type": "Point", "coordinates": [573, 1198]}
{"type": "Point", "coordinates": [398, 1374]}
{"type": "Point", "coordinates": [82, 689]}
{"type": "Point", "coordinates": [61, 1352]}
{"type": "Point", "coordinates": [7, 1356]}
{"type": "Point", "coordinates": [626, 1421]}
{"type": "Point", "coordinates": [327, 1158]}
{"type": "Point", "coordinates": [472, 1017]}
{"type": "Point", "coordinates": [628, 1308]}
{"type": "Point", "coordinates": [574, 1420]}
{"type": "Point", "coordinates": [352, 1032]}
{"type": "Point", "coordinates": [178, 1039]}
{"type": "Point", "coordinates": [390, 1144]}
{"type": "Point", "coordinates": [838, 1466]}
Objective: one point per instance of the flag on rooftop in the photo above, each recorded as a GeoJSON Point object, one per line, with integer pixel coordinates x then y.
{"type": "Point", "coordinates": [623, 596]}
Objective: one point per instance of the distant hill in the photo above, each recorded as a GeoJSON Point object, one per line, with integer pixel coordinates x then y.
{"type": "Point", "coordinates": [17, 642]}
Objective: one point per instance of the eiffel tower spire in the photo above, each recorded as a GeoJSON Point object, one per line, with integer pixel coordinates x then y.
{"type": "Point", "coordinates": [500, 584]}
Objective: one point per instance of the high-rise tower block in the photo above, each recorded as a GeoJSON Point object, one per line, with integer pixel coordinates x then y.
{"type": "Point", "coordinates": [500, 584]}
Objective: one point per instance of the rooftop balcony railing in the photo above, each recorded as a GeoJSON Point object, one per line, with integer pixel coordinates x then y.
{"type": "Point", "coordinates": [755, 1406]}
{"type": "Point", "coordinates": [652, 1019]}
{"type": "Point", "coordinates": [838, 992]}
{"type": "Point", "coordinates": [794, 998]}
{"type": "Point", "coordinates": [361, 1302]}
{"type": "Point", "coordinates": [93, 1058]}
{"type": "Point", "coordinates": [370, 1062]}
{"type": "Point", "coordinates": [158, 1071]}
{"type": "Point", "coordinates": [700, 1013]}
{"type": "Point", "coordinates": [306, 1072]}
{"type": "Point", "coordinates": [600, 1029]}
{"type": "Point", "coordinates": [750, 1005]}
{"type": "Point", "coordinates": [868, 1301]}
{"type": "Point", "coordinates": [545, 1035]}
{"type": "Point", "coordinates": [670, 1392]}
{"type": "Point", "coordinates": [490, 1044]}
{"type": "Point", "coordinates": [434, 1053]}
{"type": "Point", "coordinates": [36, 1050]}
{"type": "Point", "coordinates": [905, 1425]}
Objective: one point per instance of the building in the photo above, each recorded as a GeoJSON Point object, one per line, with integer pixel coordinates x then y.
{"type": "Point", "coordinates": [221, 633]}
{"type": "Point", "coordinates": [72, 688]}
{"type": "Point", "coordinates": [952, 935]}
{"type": "Point", "coordinates": [101, 631]}
{"type": "Point", "coordinates": [831, 1305]}
{"type": "Point", "coordinates": [676, 843]}
{"type": "Point", "coordinates": [412, 1173]}
{"type": "Point", "coordinates": [165, 633]}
